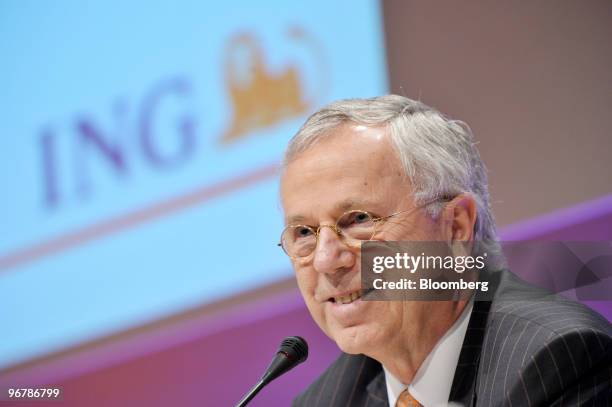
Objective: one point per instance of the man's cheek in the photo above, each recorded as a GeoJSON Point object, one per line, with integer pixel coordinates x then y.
{"type": "Point", "coordinates": [305, 286]}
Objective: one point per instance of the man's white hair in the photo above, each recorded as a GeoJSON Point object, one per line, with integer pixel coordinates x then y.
{"type": "Point", "coordinates": [439, 155]}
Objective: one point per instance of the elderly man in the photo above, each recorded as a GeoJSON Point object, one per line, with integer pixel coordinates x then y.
{"type": "Point", "coordinates": [418, 176]}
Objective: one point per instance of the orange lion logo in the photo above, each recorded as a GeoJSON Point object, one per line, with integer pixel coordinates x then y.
{"type": "Point", "coordinates": [260, 98]}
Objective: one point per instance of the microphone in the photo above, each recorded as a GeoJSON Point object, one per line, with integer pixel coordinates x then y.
{"type": "Point", "coordinates": [293, 351]}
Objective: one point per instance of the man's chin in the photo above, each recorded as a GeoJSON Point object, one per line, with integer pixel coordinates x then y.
{"type": "Point", "coordinates": [353, 341]}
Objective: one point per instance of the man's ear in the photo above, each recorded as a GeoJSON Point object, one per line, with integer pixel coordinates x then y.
{"type": "Point", "coordinates": [459, 218]}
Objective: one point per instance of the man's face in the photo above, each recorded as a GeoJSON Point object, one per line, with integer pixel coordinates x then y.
{"type": "Point", "coordinates": [355, 168]}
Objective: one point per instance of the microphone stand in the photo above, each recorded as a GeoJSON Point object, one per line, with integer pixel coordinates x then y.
{"type": "Point", "coordinates": [252, 393]}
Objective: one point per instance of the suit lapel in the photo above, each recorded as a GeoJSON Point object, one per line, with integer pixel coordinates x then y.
{"type": "Point", "coordinates": [377, 391]}
{"type": "Point", "coordinates": [466, 374]}
{"type": "Point", "coordinates": [464, 381]}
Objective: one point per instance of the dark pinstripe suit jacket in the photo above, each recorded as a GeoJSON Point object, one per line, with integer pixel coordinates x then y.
{"type": "Point", "coordinates": [521, 349]}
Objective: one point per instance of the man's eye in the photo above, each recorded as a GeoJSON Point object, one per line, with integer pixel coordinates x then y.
{"type": "Point", "coordinates": [355, 219]}
{"type": "Point", "coordinates": [301, 232]}
{"type": "Point", "coordinates": [362, 217]}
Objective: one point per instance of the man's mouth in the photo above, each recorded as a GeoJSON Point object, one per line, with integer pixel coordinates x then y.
{"type": "Point", "coordinates": [346, 298]}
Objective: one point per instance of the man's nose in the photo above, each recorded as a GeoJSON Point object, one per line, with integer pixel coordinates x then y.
{"type": "Point", "coordinates": [331, 253]}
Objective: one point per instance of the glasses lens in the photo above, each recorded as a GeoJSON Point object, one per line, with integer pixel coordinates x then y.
{"type": "Point", "coordinates": [357, 225]}
{"type": "Point", "coordinates": [298, 241]}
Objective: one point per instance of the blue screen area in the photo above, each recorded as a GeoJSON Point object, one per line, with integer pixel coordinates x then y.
{"type": "Point", "coordinates": [138, 145]}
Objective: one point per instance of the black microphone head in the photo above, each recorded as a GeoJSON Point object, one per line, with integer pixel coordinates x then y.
{"type": "Point", "coordinates": [293, 351]}
{"type": "Point", "coordinates": [295, 347]}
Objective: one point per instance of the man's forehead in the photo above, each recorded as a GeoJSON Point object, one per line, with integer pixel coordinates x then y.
{"type": "Point", "coordinates": [348, 147]}
{"type": "Point", "coordinates": [354, 136]}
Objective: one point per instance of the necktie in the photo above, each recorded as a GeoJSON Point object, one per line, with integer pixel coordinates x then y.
{"type": "Point", "coordinates": [405, 399]}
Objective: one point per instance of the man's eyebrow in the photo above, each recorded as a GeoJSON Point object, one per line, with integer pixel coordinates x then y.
{"type": "Point", "coordinates": [295, 219]}
{"type": "Point", "coordinates": [340, 207]}
{"type": "Point", "coordinates": [352, 203]}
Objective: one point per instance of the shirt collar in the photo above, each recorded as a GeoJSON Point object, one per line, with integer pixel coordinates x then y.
{"type": "Point", "coordinates": [432, 383]}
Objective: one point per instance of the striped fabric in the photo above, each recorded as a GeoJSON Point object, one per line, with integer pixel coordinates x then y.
{"type": "Point", "coordinates": [523, 349]}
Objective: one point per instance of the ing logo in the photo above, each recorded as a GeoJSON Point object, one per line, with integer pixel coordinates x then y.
{"type": "Point", "coordinates": [260, 98]}
{"type": "Point", "coordinates": [76, 156]}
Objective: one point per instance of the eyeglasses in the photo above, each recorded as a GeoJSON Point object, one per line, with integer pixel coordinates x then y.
{"type": "Point", "coordinates": [353, 227]}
